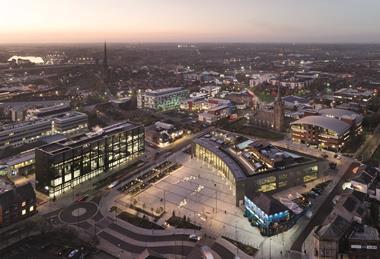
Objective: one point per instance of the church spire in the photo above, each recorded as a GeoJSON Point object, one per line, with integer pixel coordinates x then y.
{"type": "Point", "coordinates": [105, 58]}
{"type": "Point", "coordinates": [278, 97]}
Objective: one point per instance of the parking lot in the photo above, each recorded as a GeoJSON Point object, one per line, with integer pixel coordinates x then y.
{"type": "Point", "coordinates": [200, 193]}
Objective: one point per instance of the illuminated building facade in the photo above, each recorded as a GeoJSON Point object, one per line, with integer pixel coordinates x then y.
{"type": "Point", "coordinates": [268, 214]}
{"type": "Point", "coordinates": [251, 173]}
{"type": "Point", "coordinates": [322, 132]}
{"type": "Point", "coordinates": [162, 99]}
{"type": "Point", "coordinates": [18, 134]}
{"type": "Point", "coordinates": [62, 165]}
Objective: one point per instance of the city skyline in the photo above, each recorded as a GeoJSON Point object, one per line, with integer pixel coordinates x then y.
{"type": "Point", "coordinates": [290, 21]}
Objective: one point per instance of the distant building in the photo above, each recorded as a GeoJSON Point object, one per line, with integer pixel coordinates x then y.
{"type": "Point", "coordinates": [359, 96]}
{"type": "Point", "coordinates": [62, 165]}
{"type": "Point", "coordinates": [17, 114]}
{"type": "Point", "coordinates": [329, 129]}
{"type": "Point", "coordinates": [162, 99]}
{"type": "Point", "coordinates": [18, 134]}
{"type": "Point", "coordinates": [215, 113]}
{"type": "Point", "coordinates": [295, 102]}
{"type": "Point", "coordinates": [271, 119]}
{"type": "Point", "coordinates": [322, 132]}
{"type": "Point", "coordinates": [47, 111]}
{"type": "Point", "coordinates": [70, 123]}
{"type": "Point", "coordinates": [210, 90]}
{"type": "Point", "coordinates": [16, 202]}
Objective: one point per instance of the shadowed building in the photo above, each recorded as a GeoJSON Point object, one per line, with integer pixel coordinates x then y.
{"type": "Point", "coordinates": [272, 119]}
{"type": "Point", "coordinates": [16, 202]}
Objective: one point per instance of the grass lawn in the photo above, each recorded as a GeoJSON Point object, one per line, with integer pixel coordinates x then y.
{"type": "Point", "coordinates": [264, 96]}
{"type": "Point", "coordinates": [240, 126]}
{"type": "Point", "coordinates": [137, 221]}
{"type": "Point", "coordinates": [181, 223]}
{"type": "Point", "coordinates": [249, 250]}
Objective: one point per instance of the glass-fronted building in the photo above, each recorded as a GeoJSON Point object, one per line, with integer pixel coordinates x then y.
{"type": "Point", "coordinates": [247, 175]}
{"type": "Point", "coordinates": [268, 214]}
{"type": "Point", "coordinates": [62, 165]}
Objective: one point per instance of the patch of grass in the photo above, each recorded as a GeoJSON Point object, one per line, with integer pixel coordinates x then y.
{"type": "Point", "coordinates": [264, 96]}
{"type": "Point", "coordinates": [249, 250]}
{"type": "Point", "coordinates": [240, 126]}
{"type": "Point", "coordinates": [182, 223]}
{"type": "Point", "coordinates": [139, 222]}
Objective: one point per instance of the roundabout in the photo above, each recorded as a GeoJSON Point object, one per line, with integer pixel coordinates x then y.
{"type": "Point", "coordinates": [78, 212]}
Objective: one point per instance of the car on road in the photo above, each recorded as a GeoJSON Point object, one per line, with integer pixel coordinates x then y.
{"type": "Point", "coordinates": [113, 184]}
{"type": "Point", "coordinates": [194, 238]}
{"type": "Point", "coordinates": [73, 253]}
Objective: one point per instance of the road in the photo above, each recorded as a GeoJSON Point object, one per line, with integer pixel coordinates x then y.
{"type": "Point", "coordinates": [176, 250]}
{"type": "Point", "coordinates": [323, 211]}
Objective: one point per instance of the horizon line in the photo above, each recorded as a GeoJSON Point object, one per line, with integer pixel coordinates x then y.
{"type": "Point", "coordinates": [192, 42]}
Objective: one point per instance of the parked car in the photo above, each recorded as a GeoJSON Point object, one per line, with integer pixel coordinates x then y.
{"type": "Point", "coordinates": [194, 238]}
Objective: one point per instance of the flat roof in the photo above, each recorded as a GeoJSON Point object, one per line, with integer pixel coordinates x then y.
{"type": "Point", "coordinates": [83, 139]}
{"type": "Point", "coordinates": [341, 113]}
{"type": "Point", "coordinates": [333, 124]}
{"type": "Point", "coordinates": [164, 90]}
{"type": "Point", "coordinates": [364, 232]}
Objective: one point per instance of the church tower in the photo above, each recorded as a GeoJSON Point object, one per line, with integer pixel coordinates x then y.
{"type": "Point", "coordinates": [105, 63]}
{"type": "Point", "coordinates": [279, 112]}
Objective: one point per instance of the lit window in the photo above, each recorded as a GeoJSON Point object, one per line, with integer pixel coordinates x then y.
{"type": "Point", "coordinates": [23, 212]}
{"type": "Point", "coordinates": [23, 204]}
{"type": "Point", "coordinates": [31, 208]}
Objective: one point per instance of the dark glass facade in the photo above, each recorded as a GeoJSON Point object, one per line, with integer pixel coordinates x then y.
{"type": "Point", "coordinates": [62, 167]}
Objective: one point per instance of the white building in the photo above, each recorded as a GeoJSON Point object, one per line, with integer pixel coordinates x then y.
{"type": "Point", "coordinates": [162, 99]}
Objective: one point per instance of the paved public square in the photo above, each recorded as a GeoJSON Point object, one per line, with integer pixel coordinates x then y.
{"type": "Point", "coordinates": [201, 193]}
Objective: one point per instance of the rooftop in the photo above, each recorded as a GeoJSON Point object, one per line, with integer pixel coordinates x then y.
{"type": "Point", "coordinates": [87, 138]}
{"type": "Point", "coordinates": [333, 124]}
{"type": "Point", "coordinates": [364, 232]}
{"type": "Point", "coordinates": [68, 115]}
{"type": "Point", "coordinates": [333, 230]}
{"type": "Point", "coordinates": [267, 204]}
{"type": "Point", "coordinates": [340, 114]}
{"type": "Point", "coordinates": [163, 91]}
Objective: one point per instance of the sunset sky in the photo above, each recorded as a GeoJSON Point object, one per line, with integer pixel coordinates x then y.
{"type": "Point", "coordinates": [45, 21]}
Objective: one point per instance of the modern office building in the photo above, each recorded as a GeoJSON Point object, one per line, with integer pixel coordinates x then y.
{"type": "Point", "coordinates": [16, 202]}
{"type": "Point", "coordinates": [352, 118]}
{"type": "Point", "coordinates": [18, 134]}
{"type": "Point", "coordinates": [70, 123]}
{"type": "Point", "coordinates": [252, 166]}
{"type": "Point", "coordinates": [62, 165]}
{"type": "Point", "coordinates": [48, 111]}
{"type": "Point", "coordinates": [162, 99]}
{"type": "Point", "coordinates": [359, 96]}
{"type": "Point", "coordinates": [322, 132]}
